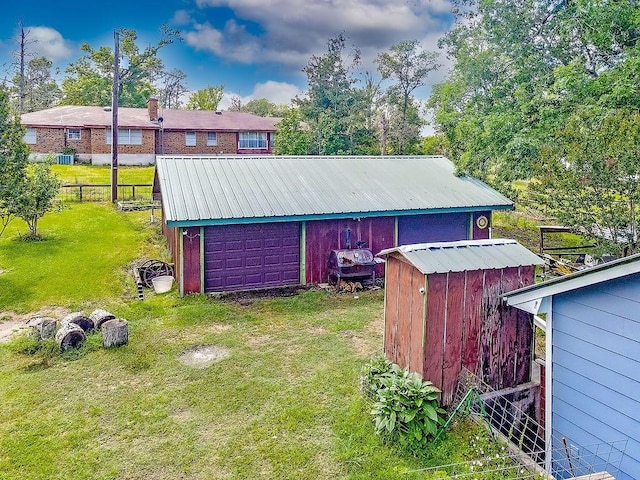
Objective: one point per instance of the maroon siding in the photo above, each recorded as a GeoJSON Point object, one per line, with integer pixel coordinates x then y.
{"type": "Point", "coordinates": [465, 326]}
{"type": "Point", "coordinates": [443, 227]}
{"type": "Point", "coordinates": [481, 232]}
{"type": "Point", "coordinates": [242, 257]}
{"type": "Point", "coordinates": [322, 236]}
{"type": "Point", "coordinates": [191, 256]}
{"type": "Point", "coordinates": [391, 301]}
{"type": "Point", "coordinates": [404, 315]}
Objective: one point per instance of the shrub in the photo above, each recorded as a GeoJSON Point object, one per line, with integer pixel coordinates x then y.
{"type": "Point", "coordinates": [406, 409]}
{"type": "Point", "coordinates": [371, 375]}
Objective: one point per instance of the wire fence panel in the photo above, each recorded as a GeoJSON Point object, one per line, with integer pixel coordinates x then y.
{"type": "Point", "coordinates": [101, 192]}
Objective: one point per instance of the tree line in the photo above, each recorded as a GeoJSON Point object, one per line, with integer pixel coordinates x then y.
{"type": "Point", "coordinates": [547, 92]}
{"type": "Point", "coordinates": [344, 110]}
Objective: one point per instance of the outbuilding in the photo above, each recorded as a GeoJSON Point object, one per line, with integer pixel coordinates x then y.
{"type": "Point", "coordinates": [443, 313]}
{"type": "Point", "coordinates": [592, 324]}
{"type": "Point", "coordinates": [240, 223]}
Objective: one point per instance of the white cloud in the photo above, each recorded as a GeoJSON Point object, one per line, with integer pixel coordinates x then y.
{"type": "Point", "coordinates": [181, 17]}
{"type": "Point", "coordinates": [276, 92]}
{"type": "Point", "coordinates": [48, 42]}
{"type": "Point", "coordinates": [280, 93]}
{"type": "Point", "coordinates": [301, 28]}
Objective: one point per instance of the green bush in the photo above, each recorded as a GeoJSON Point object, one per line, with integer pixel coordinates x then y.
{"type": "Point", "coordinates": [372, 373]}
{"type": "Point", "coordinates": [406, 408]}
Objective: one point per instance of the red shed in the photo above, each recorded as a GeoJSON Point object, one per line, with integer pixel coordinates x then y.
{"type": "Point", "coordinates": [443, 311]}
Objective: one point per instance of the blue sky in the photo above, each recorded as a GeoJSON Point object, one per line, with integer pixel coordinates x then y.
{"type": "Point", "coordinates": [255, 48]}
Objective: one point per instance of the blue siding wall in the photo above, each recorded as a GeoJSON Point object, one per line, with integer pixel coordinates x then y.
{"type": "Point", "coordinates": [596, 372]}
{"type": "Point", "coordinates": [443, 227]}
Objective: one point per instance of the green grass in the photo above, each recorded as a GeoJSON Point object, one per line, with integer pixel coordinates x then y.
{"type": "Point", "coordinates": [284, 404]}
{"type": "Point", "coordinates": [81, 173]}
{"type": "Point", "coordinates": [83, 258]}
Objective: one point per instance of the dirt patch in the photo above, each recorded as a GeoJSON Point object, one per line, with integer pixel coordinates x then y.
{"type": "Point", "coordinates": [12, 323]}
{"type": "Point", "coordinates": [203, 355]}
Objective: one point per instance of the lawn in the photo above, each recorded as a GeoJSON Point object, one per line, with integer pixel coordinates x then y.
{"type": "Point", "coordinates": [284, 404]}
{"type": "Point", "coordinates": [81, 173]}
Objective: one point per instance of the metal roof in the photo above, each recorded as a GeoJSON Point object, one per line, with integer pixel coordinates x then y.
{"type": "Point", "coordinates": [243, 189]}
{"type": "Point", "coordinates": [466, 255]}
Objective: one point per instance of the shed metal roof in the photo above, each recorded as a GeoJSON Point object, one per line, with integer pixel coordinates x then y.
{"type": "Point", "coordinates": [466, 255]}
{"type": "Point", "coordinates": [247, 189]}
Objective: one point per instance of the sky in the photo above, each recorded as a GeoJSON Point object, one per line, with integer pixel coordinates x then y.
{"type": "Point", "coordinates": [254, 48]}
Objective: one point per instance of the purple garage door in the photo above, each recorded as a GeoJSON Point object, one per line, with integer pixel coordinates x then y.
{"type": "Point", "coordinates": [242, 257]}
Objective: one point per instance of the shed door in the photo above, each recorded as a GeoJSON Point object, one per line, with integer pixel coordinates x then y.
{"type": "Point", "coordinates": [242, 257]}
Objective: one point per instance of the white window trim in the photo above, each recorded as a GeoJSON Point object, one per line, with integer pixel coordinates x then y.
{"type": "Point", "coordinates": [74, 130]}
{"type": "Point", "coordinates": [124, 136]}
{"type": "Point", "coordinates": [212, 142]}
{"type": "Point", "coordinates": [31, 136]}
{"type": "Point", "coordinates": [187, 139]}
{"type": "Point", "coordinates": [262, 143]}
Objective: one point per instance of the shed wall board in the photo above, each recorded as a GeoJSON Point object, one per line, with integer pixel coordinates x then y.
{"type": "Point", "coordinates": [454, 322]}
{"type": "Point", "coordinates": [322, 236]}
{"type": "Point", "coordinates": [436, 312]}
{"type": "Point", "coordinates": [191, 259]}
{"type": "Point", "coordinates": [404, 316]}
{"type": "Point", "coordinates": [481, 233]}
{"type": "Point", "coordinates": [596, 365]}
{"type": "Point", "coordinates": [473, 320]}
{"type": "Point", "coordinates": [417, 325]}
{"type": "Point", "coordinates": [392, 297]}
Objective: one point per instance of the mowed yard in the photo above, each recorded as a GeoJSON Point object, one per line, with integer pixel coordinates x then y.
{"type": "Point", "coordinates": [285, 403]}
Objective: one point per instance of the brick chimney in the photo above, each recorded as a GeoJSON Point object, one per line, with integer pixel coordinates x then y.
{"type": "Point", "coordinates": [152, 107]}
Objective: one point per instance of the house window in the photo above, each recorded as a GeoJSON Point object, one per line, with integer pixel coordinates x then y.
{"type": "Point", "coordinates": [30, 136]}
{"type": "Point", "coordinates": [73, 134]}
{"type": "Point", "coordinates": [212, 139]}
{"type": "Point", "coordinates": [253, 140]}
{"type": "Point", "coordinates": [126, 136]}
{"type": "Point", "coordinates": [190, 139]}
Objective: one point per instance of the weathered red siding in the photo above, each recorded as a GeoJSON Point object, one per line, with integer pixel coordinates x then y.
{"type": "Point", "coordinates": [480, 232]}
{"type": "Point", "coordinates": [191, 256]}
{"type": "Point", "coordinates": [462, 322]}
{"type": "Point", "coordinates": [322, 236]}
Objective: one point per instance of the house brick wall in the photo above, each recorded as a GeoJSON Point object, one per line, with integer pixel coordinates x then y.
{"type": "Point", "coordinates": [100, 145]}
{"type": "Point", "coordinates": [54, 140]}
{"type": "Point", "coordinates": [174, 143]}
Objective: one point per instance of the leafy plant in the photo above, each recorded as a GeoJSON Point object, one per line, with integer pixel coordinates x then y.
{"type": "Point", "coordinates": [372, 374]}
{"type": "Point", "coordinates": [406, 409]}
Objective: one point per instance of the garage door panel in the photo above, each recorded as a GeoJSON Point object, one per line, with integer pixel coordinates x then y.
{"type": "Point", "coordinates": [241, 257]}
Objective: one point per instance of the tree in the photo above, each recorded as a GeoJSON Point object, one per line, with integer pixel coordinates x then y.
{"type": "Point", "coordinates": [264, 108]}
{"type": "Point", "coordinates": [294, 137]}
{"type": "Point", "coordinates": [206, 98]}
{"type": "Point", "coordinates": [589, 179]}
{"type": "Point", "coordinates": [409, 66]}
{"type": "Point", "coordinates": [38, 196]}
{"type": "Point", "coordinates": [172, 88]}
{"type": "Point", "coordinates": [89, 79]}
{"type": "Point", "coordinates": [14, 156]}
{"type": "Point", "coordinates": [333, 108]}
{"type": "Point", "coordinates": [522, 71]}
{"type": "Point", "coordinates": [40, 91]}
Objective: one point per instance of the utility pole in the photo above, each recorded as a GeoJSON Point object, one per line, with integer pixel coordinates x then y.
{"type": "Point", "coordinates": [23, 41]}
{"type": "Point", "coordinates": [114, 118]}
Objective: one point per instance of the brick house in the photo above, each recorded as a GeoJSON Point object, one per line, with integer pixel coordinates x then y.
{"type": "Point", "coordinates": [145, 133]}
